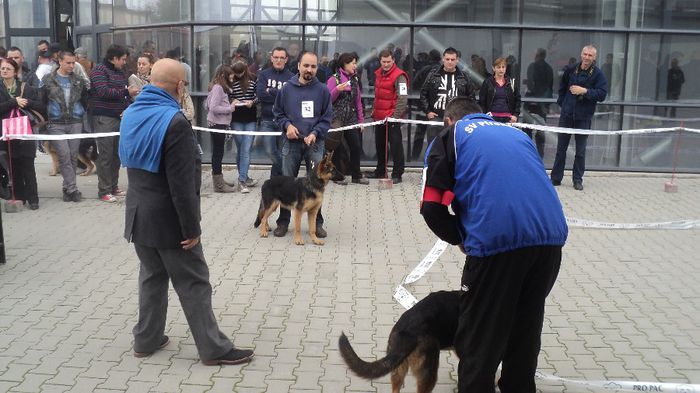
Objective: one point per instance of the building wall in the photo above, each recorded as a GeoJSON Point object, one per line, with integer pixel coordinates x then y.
{"type": "Point", "coordinates": [636, 41]}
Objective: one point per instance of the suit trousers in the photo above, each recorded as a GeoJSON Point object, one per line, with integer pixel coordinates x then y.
{"type": "Point", "coordinates": [189, 274]}
{"type": "Point", "coordinates": [108, 155]}
{"type": "Point", "coordinates": [67, 151]}
{"type": "Point", "coordinates": [501, 315]}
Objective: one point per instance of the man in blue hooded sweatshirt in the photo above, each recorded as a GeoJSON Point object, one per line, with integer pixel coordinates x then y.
{"type": "Point", "coordinates": [303, 111]}
{"type": "Point", "coordinates": [159, 150]}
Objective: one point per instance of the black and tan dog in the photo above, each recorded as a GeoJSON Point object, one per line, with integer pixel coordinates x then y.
{"type": "Point", "coordinates": [415, 342]}
{"type": "Point", "coordinates": [299, 195]}
{"type": "Point", "coordinates": [87, 155]}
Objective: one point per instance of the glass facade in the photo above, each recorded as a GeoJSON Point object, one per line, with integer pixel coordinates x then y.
{"type": "Point", "coordinates": [646, 48]}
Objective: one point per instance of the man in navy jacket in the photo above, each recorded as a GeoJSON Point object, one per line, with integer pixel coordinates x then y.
{"type": "Point", "coordinates": [303, 111]}
{"type": "Point", "coordinates": [583, 85]}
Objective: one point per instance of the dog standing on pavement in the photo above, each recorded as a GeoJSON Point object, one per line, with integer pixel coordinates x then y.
{"type": "Point", "coordinates": [415, 342]}
{"type": "Point", "coordinates": [304, 194]}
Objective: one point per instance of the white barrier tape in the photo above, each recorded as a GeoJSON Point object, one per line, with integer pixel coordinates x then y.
{"type": "Point", "coordinates": [234, 132]}
{"type": "Point", "coordinates": [46, 137]}
{"type": "Point", "coordinates": [412, 121]}
{"type": "Point", "coordinates": [401, 294]}
{"type": "Point", "coordinates": [680, 224]}
{"type": "Point", "coordinates": [624, 386]}
{"type": "Point", "coordinates": [563, 130]}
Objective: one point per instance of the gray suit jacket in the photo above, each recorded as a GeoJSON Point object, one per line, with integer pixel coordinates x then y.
{"type": "Point", "coordinates": [163, 209]}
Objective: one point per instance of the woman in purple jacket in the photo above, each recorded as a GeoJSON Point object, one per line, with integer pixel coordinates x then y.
{"type": "Point", "coordinates": [346, 95]}
{"type": "Point", "coordinates": [219, 117]}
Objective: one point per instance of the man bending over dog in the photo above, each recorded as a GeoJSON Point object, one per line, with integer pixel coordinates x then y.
{"type": "Point", "coordinates": [509, 221]}
{"type": "Point", "coordinates": [303, 110]}
{"type": "Point", "coordinates": [159, 150]}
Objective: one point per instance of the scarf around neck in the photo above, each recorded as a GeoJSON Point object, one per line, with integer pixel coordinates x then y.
{"type": "Point", "coordinates": [143, 128]}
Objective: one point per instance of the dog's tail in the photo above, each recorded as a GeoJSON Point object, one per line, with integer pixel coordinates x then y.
{"type": "Point", "coordinates": [378, 368]}
{"type": "Point", "coordinates": [261, 211]}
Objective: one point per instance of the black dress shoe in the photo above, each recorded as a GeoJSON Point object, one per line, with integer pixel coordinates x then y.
{"type": "Point", "coordinates": [163, 343]}
{"type": "Point", "coordinates": [280, 231]}
{"type": "Point", "coordinates": [396, 180]}
{"type": "Point", "coordinates": [578, 186]}
{"type": "Point", "coordinates": [375, 175]}
{"type": "Point", "coordinates": [34, 206]}
{"type": "Point", "coordinates": [320, 232]}
{"type": "Point", "coordinates": [234, 356]}
{"type": "Point", "coordinates": [556, 182]}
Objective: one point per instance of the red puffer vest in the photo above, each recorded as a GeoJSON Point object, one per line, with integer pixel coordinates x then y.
{"type": "Point", "coordinates": [385, 95]}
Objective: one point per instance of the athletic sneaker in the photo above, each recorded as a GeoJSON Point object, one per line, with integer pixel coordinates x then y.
{"type": "Point", "coordinates": [243, 189]}
{"type": "Point", "coordinates": [108, 198]}
{"type": "Point", "coordinates": [117, 192]}
{"type": "Point", "coordinates": [251, 182]}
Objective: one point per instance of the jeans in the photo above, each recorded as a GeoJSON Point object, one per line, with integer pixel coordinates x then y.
{"type": "Point", "coordinates": [243, 145]}
{"type": "Point", "coordinates": [67, 151]}
{"type": "Point", "coordinates": [293, 152]}
{"type": "Point", "coordinates": [273, 146]}
{"type": "Point", "coordinates": [562, 145]}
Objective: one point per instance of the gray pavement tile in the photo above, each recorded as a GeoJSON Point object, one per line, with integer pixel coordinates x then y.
{"type": "Point", "coordinates": [617, 310]}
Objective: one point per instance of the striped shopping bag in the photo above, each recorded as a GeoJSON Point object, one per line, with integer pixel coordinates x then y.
{"type": "Point", "coordinates": [16, 125]}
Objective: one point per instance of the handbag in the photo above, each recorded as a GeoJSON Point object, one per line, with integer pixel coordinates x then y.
{"type": "Point", "coordinates": [36, 119]}
{"type": "Point", "coordinates": [16, 124]}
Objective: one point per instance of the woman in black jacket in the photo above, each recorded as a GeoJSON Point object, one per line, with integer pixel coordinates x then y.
{"type": "Point", "coordinates": [17, 94]}
{"type": "Point", "coordinates": [500, 94]}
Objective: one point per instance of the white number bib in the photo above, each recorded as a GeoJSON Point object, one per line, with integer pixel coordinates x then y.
{"type": "Point", "coordinates": [307, 109]}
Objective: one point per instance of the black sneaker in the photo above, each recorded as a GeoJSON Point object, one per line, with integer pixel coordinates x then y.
{"type": "Point", "coordinates": [578, 186]}
{"type": "Point", "coordinates": [34, 206]}
{"type": "Point", "coordinates": [163, 343]}
{"type": "Point", "coordinates": [320, 232]}
{"type": "Point", "coordinates": [66, 197]}
{"type": "Point", "coordinates": [556, 182]}
{"type": "Point", "coordinates": [234, 356]}
{"type": "Point", "coordinates": [281, 230]}
{"type": "Point", "coordinates": [396, 180]}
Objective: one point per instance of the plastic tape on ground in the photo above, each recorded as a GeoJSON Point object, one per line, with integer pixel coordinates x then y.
{"type": "Point", "coordinates": [623, 386]}
{"type": "Point", "coordinates": [680, 224]}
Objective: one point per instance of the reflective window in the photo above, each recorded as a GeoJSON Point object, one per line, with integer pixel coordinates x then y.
{"type": "Point", "coordinates": [2, 21]}
{"type": "Point", "coordinates": [329, 41]}
{"type": "Point", "coordinates": [28, 46]}
{"type": "Point", "coordinates": [216, 45]}
{"type": "Point", "coordinates": [596, 13]}
{"type": "Point", "coordinates": [660, 68]}
{"type": "Point", "coordinates": [679, 14]}
{"type": "Point", "coordinates": [358, 10]}
{"type": "Point", "coordinates": [499, 11]}
{"type": "Point", "coordinates": [105, 40]}
{"type": "Point", "coordinates": [140, 12]}
{"type": "Point", "coordinates": [248, 10]}
{"type": "Point", "coordinates": [85, 41]}
{"type": "Point", "coordinates": [172, 42]}
{"type": "Point", "coordinates": [29, 13]}
{"type": "Point", "coordinates": [658, 151]}
{"type": "Point", "coordinates": [564, 48]}
{"type": "Point", "coordinates": [104, 11]}
{"type": "Point", "coordinates": [84, 12]}
{"type": "Point", "coordinates": [478, 47]}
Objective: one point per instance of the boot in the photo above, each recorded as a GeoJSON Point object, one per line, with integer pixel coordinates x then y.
{"type": "Point", "coordinates": [231, 184]}
{"type": "Point", "coordinates": [219, 185]}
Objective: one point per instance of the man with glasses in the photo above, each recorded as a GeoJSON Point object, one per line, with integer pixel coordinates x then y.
{"type": "Point", "coordinates": [270, 81]}
{"type": "Point", "coordinates": [110, 96]}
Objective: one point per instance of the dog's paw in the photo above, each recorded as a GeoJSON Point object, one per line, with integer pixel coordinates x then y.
{"type": "Point", "coordinates": [263, 233]}
{"type": "Point", "coordinates": [318, 242]}
{"type": "Point", "coordinates": [53, 173]}
{"type": "Point", "coordinates": [299, 241]}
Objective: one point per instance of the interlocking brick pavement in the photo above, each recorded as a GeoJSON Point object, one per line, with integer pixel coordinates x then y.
{"type": "Point", "coordinates": [625, 305]}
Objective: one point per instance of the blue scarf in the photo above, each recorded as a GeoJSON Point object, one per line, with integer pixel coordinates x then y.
{"type": "Point", "coordinates": [143, 128]}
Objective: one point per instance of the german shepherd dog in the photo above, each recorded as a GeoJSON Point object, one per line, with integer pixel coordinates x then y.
{"type": "Point", "coordinates": [299, 195]}
{"type": "Point", "coordinates": [87, 154]}
{"type": "Point", "coordinates": [415, 342]}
